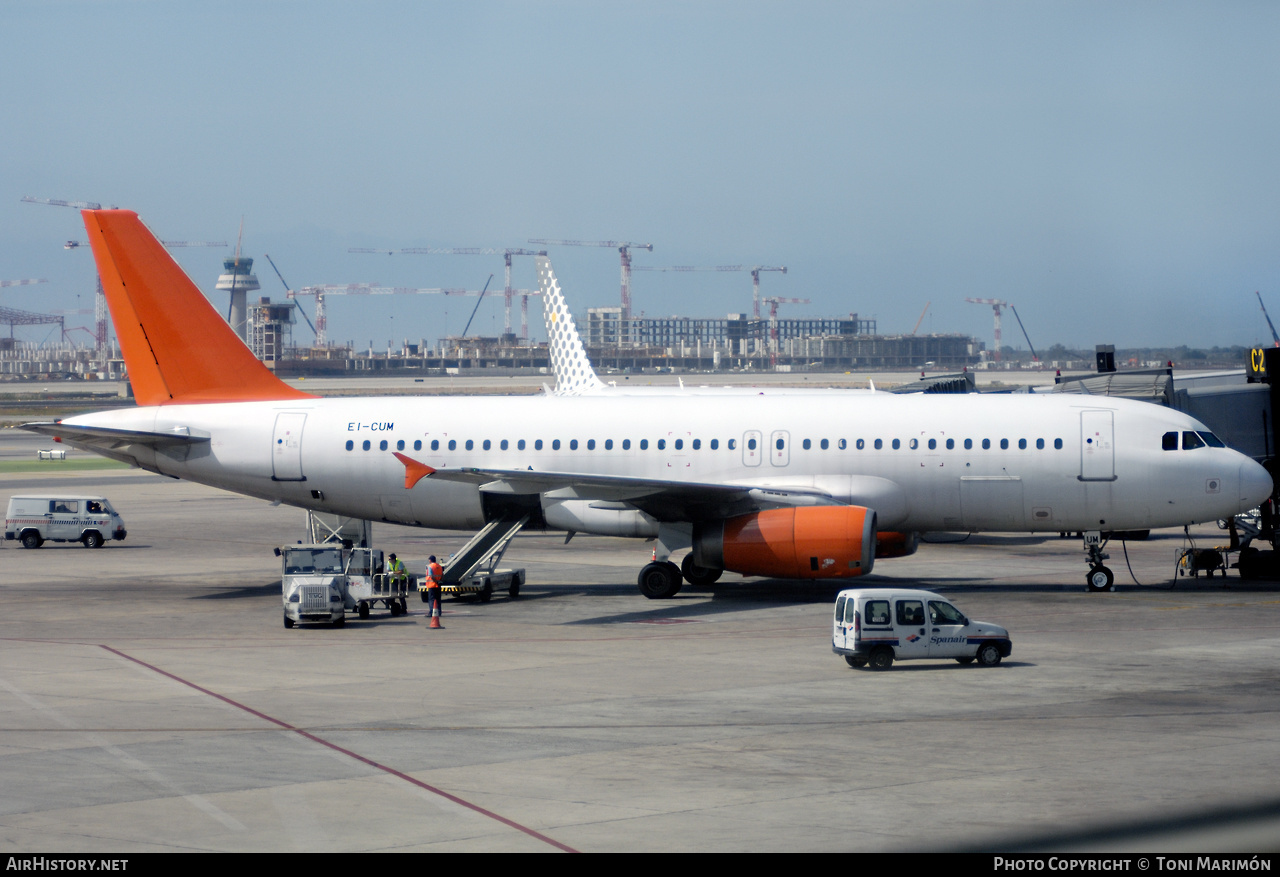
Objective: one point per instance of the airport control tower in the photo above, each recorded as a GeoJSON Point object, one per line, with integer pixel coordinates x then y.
{"type": "Point", "coordinates": [239, 280]}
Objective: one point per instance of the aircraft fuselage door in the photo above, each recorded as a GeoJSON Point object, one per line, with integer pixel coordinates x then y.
{"type": "Point", "coordinates": [780, 447]}
{"type": "Point", "coordinates": [286, 447]}
{"type": "Point", "coordinates": [1097, 446]}
{"type": "Point", "coordinates": [752, 440]}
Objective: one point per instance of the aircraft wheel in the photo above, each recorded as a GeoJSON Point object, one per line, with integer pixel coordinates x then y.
{"type": "Point", "coordinates": [855, 660]}
{"type": "Point", "coordinates": [31, 540]}
{"type": "Point", "coordinates": [288, 622]}
{"type": "Point", "coordinates": [659, 581]}
{"type": "Point", "coordinates": [988, 655]}
{"type": "Point", "coordinates": [363, 611]}
{"type": "Point", "coordinates": [698, 576]}
{"type": "Point", "coordinates": [93, 539]}
{"type": "Point", "coordinates": [1099, 579]}
{"type": "Point", "coordinates": [881, 658]}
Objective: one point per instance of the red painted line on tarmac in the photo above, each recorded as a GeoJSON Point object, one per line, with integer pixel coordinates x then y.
{"type": "Point", "coordinates": [335, 747]}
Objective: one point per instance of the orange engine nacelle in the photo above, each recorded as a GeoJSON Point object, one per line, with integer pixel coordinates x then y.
{"type": "Point", "coordinates": [889, 544]}
{"type": "Point", "coordinates": [813, 542]}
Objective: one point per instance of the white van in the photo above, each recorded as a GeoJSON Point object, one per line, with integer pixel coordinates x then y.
{"type": "Point", "coordinates": [876, 626]}
{"type": "Point", "coordinates": [33, 520]}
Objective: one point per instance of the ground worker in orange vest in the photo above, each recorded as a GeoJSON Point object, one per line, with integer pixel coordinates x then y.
{"type": "Point", "coordinates": [431, 587]}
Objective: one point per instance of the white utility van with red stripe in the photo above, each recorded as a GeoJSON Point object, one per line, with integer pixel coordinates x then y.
{"type": "Point", "coordinates": [876, 626]}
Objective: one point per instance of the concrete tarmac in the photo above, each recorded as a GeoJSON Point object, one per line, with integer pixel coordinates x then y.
{"type": "Point", "coordinates": [151, 699]}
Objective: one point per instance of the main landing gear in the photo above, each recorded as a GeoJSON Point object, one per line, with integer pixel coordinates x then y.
{"type": "Point", "coordinates": [662, 579]}
{"type": "Point", "coordinates": [1100, 578]}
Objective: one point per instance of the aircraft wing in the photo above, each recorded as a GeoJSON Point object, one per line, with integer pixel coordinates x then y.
{"type": "Point", "coordinates": [663, 499]}
{"type": "Point", "coordinates": [104, 439]}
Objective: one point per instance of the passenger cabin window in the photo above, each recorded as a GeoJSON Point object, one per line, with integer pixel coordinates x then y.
{"type": "Point", "coordinates": [537, 445]}
{"type": "Point", "coordinates": [626, 444]}
{"type": "Point", "coordinates": [435, 444]}
{"type": "Point", "coordinates": [732, 444]}
{"type": "Point", "coordinates": [715, 444]}
{"type": "Point", "coordinates": [366, 445]}
{"type": "Point", "coordinates": [350, 444]}
{"type": "Point", "coordinates": [951, 444]}
{"type": "Point", "coordinates": [417, 444]}
{"type": "Point", "coordinates": [470, 445]}
{"type": "Point", "coordinates": [400, 445]}
{"type": "Point", "coordinates": [487, 444]}
{"type": "Point", "coordinates": [504, 445]}
{"type": "Point", "coordinates": [1057, 444]}
{"type": "Point", "coordinates": [382, 445]}
{"type": "Point", "coordinates": [986, 444]}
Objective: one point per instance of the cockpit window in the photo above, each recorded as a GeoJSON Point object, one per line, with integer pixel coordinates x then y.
{"type": "Point", "coordinates": [1191, 441]}
{"type": "Point", "coordinates": [1170, 441]}
{"type": "Point", "coordinates": [1211, 440]}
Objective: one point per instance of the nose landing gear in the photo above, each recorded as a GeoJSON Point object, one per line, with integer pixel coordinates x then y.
{"type": "Point", "coordinates": [1100, 578]}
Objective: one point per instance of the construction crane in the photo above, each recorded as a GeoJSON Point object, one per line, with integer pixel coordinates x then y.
{"type": "Point", "coordinates": [58, 202]}
{"type": "Point", "coordinates": [921, 320]}
{"type": "Point", "coordinates": [1034, 357]}
{"type": "Point", "coordinates": [755, 286]}
{"type": "Point", "coordinates": [624, 249]}
{"type": "Point", "coordinates": [320, 292]}
{"type": "Point", "coordinates": [4, 283]}
{"type": "Point", "coordinates": [506, 254]}
{"type": "Point", "coordinates": [1274, 337]}
{"type": "Point", "coordinates": [773, 301]}
{"type": "Point", "coordinates": [996, 305]}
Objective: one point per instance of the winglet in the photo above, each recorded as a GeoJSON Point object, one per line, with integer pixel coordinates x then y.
{"type": "Point", "coordinates": [176, 346]}
{"type": "Point", "coordinates": [574, 374]}
{"type": "Point", "coordinates": [413, 470]}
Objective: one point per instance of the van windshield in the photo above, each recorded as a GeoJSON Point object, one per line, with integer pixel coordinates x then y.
{"type": "Point", "coordinates": [944, 613]}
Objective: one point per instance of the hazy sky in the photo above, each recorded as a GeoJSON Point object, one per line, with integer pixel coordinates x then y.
{"type": "Point", "coordinates": [1111, 168]}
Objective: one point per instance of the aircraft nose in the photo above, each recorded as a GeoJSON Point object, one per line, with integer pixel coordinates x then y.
{"type": "Point", "coordinates": [1256, 485]}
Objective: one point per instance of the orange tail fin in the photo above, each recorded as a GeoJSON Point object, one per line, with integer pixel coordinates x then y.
{"type": "Point", "coordinates": [176, 346]}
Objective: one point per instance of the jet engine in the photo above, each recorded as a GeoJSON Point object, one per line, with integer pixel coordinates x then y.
{"type": "Point", "coordinates": [811, 542]}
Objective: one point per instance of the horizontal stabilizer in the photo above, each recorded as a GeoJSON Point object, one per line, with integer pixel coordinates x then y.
{"type": "Point", "coordinates": [104, 438]}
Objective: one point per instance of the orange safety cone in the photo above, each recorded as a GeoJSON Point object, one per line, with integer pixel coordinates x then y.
{"type": "Point", "coordinates": [435, 623]}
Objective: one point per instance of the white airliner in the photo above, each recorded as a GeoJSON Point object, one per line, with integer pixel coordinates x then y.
{"type": "Point", "coordinates": [794, 486]}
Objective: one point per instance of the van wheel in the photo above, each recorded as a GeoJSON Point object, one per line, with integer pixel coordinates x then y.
{"type": "Point", "coordinates": [93, 539]}
{"type": "Point", "coordinates": [288, 622]}
{"type": "Point", "coordinates": [486, 593]}
{"type": "Point", "coordinates": [881, 658]}
{"type": "Point", "coordinates": [855, 660]}
{"type": "Point", "coordinates": [988, 655]}
{"type": "Point", "coordinates": [31, 540]}
{"type": "Point", "coordinates": [968, 660]}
